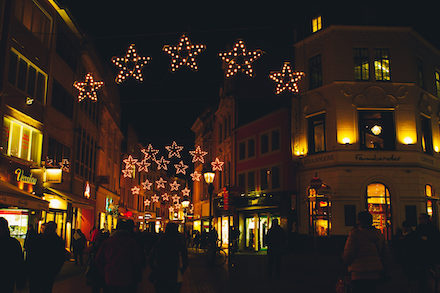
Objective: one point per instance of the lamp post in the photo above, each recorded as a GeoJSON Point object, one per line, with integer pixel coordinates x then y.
{"type": "Point", "coordinates": [209, 178]}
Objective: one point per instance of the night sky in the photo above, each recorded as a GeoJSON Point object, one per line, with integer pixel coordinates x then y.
{"type": "Point", "coordinates": [164, 107]}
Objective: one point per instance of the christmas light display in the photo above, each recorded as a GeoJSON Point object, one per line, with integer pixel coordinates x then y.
{"type": "Point", "coordinates": [165, 197]}
{"type": "Point", "coordinates": [135, 190]}
{"type": "Point", "coordinates": [160, 183]}
{"type": "Point", "coordinates": [177, 206]}
{"type": "Point", "coordinates": [195, 176]}
{"type": "Point", "coordinates": [88, 88]}
{"type": "Point", "coordinates": [191, 209]}
{"type": "Point", "coordinates": [65, 165]}
{"type": "Point", "coordinates": [146, 184]}
{"type": "Point", "coordinates": [286, 79]}
{"type": "Point", "coordinates": [184, 53]}
{"type": "Point", "coordinates": [181, 168]}
{"type": "Point", "coordinates": [130, 65]}
{"type": "Point", "coordinates": [175, 198]}
{"type": "Point", "coordinates": [198, 155]}
{"type": "Point", "coordinates": [143, 165]}
{"type": "Point", "coordinates": [240, 59]}
{"type": "Point", "coordinates": [186, 191]}
{"type": "Point", "coordinates": [128, 172]}
{"type": "Point", "coordinates": [162, 164]}
{"type": "Point", "coordinates": [217, 165]}
{"type": "Point", "coordinates": [130, 162]}
{"type": "Point", "coordinates": [174, 186]}
{"type": "Point", "coordinates": [150, 153]}
{"type": "Point", "coordinates": [174, 150]}
{"type": "Point", "coordinates": [171, 209]}
{"type": "Point", "coordinates": [48, 162]}
{"type": "Point", "coordinates": [147, 202]}
{"type": "Point", "coordinates": [155, 198]}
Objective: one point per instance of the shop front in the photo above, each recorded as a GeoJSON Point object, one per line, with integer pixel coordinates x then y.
{"type": "Point", "coordinates": [319, 208]}
{"type": "Point", "coordinates": [107, 209]}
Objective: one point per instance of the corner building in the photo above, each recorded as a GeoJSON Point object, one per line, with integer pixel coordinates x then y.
{"type": "Point", "coordinates": [365, 128]}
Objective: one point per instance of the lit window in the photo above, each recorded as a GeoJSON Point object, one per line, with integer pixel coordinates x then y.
{"type": "Point", "coordinates": [361, 64]}
{"type": "Point", "coordinates": [379, 205]}
{"type": "Point", "coordinates": [426, 134]}
{"type": "Point", "coordinates": [34, 18]}
{"type": "Point", "coordinates": [316, 24]}
{"type": "Point", "coordinates": [428, 190]}
{"type": "Point", "coordinates": [437, 83]}
{"type": "Point", "coordinates": [316, 133]}
{"type": "Point", "coordinates": [21, 140]}
{"type": "Point", "coordinates": [382, 65]}
{"type": "Point", "coordinates": [377, 130]}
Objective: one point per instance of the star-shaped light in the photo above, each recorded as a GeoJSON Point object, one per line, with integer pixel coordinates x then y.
{"type": "Point", "coordinates": [147, 202]}
{"type": "Point", "coordinates": [160, 183]}
{"type": "Point", "coordinates": [286, 79]}
{"type": "Point", "coordinates": [135, 190]}
{"type": "Point", "coordinates": [171, 209]}
{"type": "Point", "coordinates": [143, 165]}
{"type": "Point", "coordinates": [49, 162]}
{"type": "Point", "coordinates": [184, 53]}
{"type": "Point", "coordinates": [146, 184]}
{"type": "Point", "coordinates": [240, 59]}
{"type": "Point", "coordinates": [155, 198]}
{"type": "Point", "coordinates": [88, 88]}
{"type": "Point", "coordinates": [130, 65]}
{"type": "Point", "coordinates": [128, 172]}
{"type": "Point", "coordinates": [186, 191]}
{"type": "Point", "coordinates": [191, 209]}
{"type": "Point", "coordinates": [174, 150]}
{"type": "Point", "coordinates": [130, 162]}
{"type": "Point", "coordinates": [181, 168]}
{"type": "Point", "coordinates": [217, 165]}
{"type": "Point", "coordinates": [65, 165]}
{"type": "Point", "coordinates": [174, 186]}
{"type": "Point", "coordinates": [195, 176]}
{"type": "Point", "coordinates": [165, 197]}
{"type": "Point", "coordinates": [150, 153]}
{"type": "Point", "coordinates": [198, 155]}
{"type": "Point", "coordinates": [175, 198]}
{"type": "Point", "coordinates": [162, 163]}
{"type": "Point", "coordinates": [177, 206]}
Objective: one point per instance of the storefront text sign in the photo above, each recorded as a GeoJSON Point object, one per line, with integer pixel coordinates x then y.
{"type": "Point", "coordinates": [23, 178]}
{"type": "Point", "coordinates": [375, 157]}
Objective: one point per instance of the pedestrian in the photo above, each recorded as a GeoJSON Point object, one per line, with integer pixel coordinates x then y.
{"type": "Point", "coordinates": [79, 244]}
{"type": "Point", "coordinates": [11, 260]}
{"type": "Point", "coordinates": [119, 260]}
{"type": "Point", "coordinates": [212, 245]}
{"type": "Point", "coordinates": [275, 239]}
{"type": "Point", "coordinates": [94, 278]}
{"type": "Point", "coordinates": [426, 250]}
{"type": "Point", "coordinates": [406, 253]}
{"type": "Point", "coordinates": [168, 261]}
{"type": "Point", "coordinates": [366, 255]}
{"type": "Point", "coordinates": [48, 254]}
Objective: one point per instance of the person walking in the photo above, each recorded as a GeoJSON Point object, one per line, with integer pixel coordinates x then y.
{"type": "Point", "coordinates": [11, 264]}
{"type": "Point", "coordinates": [275, 239]}
{"type": "Point", "coordinates": [366, 255]}
{"type": "Point", "coordinates": [79, 244]}
{"type": "Point", "coordinates": [168, 261]}
{"type": "Point", "coordinates": [94, 278]}
{"type": "Point", "coordinates": [47, 256]}
{"type": "Point", "coordinates": [119, 260]}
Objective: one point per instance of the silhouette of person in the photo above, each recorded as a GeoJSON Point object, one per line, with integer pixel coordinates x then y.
{"type": "Point", "coordinates": [79, 244]}
{"type": "Point", "coordinates": [275, 239]}
{"type": "Point", "coordinates": [11, 260]}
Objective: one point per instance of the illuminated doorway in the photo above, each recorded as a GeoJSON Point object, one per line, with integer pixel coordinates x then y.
{"type": "Point", "coordinates": [379, 205]}
{"type": "Point", "coordinates": [431, 204]}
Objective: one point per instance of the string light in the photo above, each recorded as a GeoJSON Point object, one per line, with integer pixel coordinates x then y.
{"type": "Point", "coordinates": [286, 79]}
{"type": "Point", "coordinates": [175, 198]}
{"type": "Point", "coordinates": [177, 206]}
{"type": "Point", "coordinates": [128, 172]}
{"type": "Point", "coordinates": [143, 165]}
{"type": "Point", "coordinates": [155, 198]}
{"type": "Point", "coordinates": [147, 202]}
{"type": "Point", "coordinates": [186, 191]}
{"type": "Point", "coordinates": [174, 150]}
{"type": "Point", "coordinates": [150, 153]}
{"type": "Point", "coordinates": [174, 186]}
{"type": "Point", "coordinates": [195, 176]}
{"type": "Point", "coordinates": [160, 183]}
{"type": "Point", "coordinates": [171, 209]}
{"type": "Point", "coordinates": [48, 162]}
{"type": "Point", "coordinates": [130, 162]}
{"type": "Point", "coordinates": [135, 190]}
{"type": "Point", "coordinates": [184, 53]}
{"type": "Point", "coordinates": [146, 184]}
{"type": "Point", "coordinates": [65, 165]}
{"type": "Point", "coordinates": [165, 197]}
{"type": "Point", "coordinates": [130, 65]}
{"type": "Point", "coordinates": [217, 165]}
{"type": "Point", "coordinates": [181, 168]}
{"type": "Point", "coordinates": [240, 59]}
{"type": "Point", "coordinates": [198, 155]}
{"type": "Point", "coordinates": [162, 164]}
{"type": "Point", "coordinates": [88, 88]}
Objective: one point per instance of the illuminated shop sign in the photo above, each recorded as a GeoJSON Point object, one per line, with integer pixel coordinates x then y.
{"type": "Point", "coordinates": [87, 190]}
{"type": "Point", "coordinates": [23, 178]}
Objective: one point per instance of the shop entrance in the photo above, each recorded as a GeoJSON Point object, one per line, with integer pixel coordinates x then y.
{"type": "Point", "coordinates": [256, 227]}
{"type": "Point", "coordinates": [379, 205]}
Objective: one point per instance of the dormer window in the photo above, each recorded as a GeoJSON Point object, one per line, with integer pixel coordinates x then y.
{"type": "Point", "coordinates": [316, 24]}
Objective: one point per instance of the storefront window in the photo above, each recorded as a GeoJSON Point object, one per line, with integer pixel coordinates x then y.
{"type": "Point", "coordinates": [431, 203]}
{"type": "Point", "coordinates": [18, 222]}
{"type": "Point", "coordinates": [379, 205]}
{"type": "Point", "coordinates": [319, 210]}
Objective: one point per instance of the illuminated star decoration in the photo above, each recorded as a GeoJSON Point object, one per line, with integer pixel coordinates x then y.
{"type": "Point", "coordinates": [88, 88]}
{"type": "Point", "coordinates": [146, 184]}
{"type": "Point", "coordinates": [181, 168]}
{"type": "Point", "coordinates": [217, 165]}
{"type": "Point", "coordinates": [143, 165]}
{"type": "Point", "coordinates": [155, 198]}
{"type": "Point", "coordinates": [175, 198]}
{"type": "Point", "coordinates": [171, 209]}
{"type": "Point", "coordinates": [174, 150]}
{"type": "Point", "coordinates": [128, 172]}
{"type": "Point", "coordinates": [184, 53]}
{"type": "Point", "coordinates": [286, 79]}
{"type": "Point", "coordinates": [165, 197]}
{"type": "Point", "coordinates": [65, 165]}
{"type": "Point", "coordinates": [198, 155]}
{"type": "Point", "coordinates": [49, 162]}
{"type": "Point", "coordinates": [240, 59]}
{"type": "Point", "coordinates": [174, 186]}
{"type": "Point", "coordinates": [186, 191]}
{"type": "Point", "coordinates": [135, 190]}
{"type": "Point", "coordinates": [160, 183]}
{"type": "Point", "coordinates": [150, 153]}
{"type": "Point", "coordinates": [130, 162]}
{"type": "Point", "coordinates": [177, 206]}
{"type": "Point", "coordinates": [130, 65]}
{"type": "Point", "coordinates": [147, 202]}
{"type": "Point", "coordinates": [162, 164]}
{"type": "Point", "coordinates": [195, 176]}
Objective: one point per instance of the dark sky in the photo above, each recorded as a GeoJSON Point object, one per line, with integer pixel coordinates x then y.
{"type": "Point", "coordinates": [166, 104]}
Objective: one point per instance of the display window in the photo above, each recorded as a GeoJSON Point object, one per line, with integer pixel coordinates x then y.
{"type": "Point", "coordinates": [379, 205]}
{"type": "Point", "coordinates": [257, 227]}
{"type": "Point", "coordinates": [319, 210]}
{"type": "Point", "coordinates": [431, 204]}
{"type": "Point", "coordinates": [18, 222]}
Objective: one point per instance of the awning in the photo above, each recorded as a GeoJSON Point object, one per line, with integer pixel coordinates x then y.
{"type": "Point", "coordinates": [74, 200]}
{"type": "Point", "coordinates": [13, 196]}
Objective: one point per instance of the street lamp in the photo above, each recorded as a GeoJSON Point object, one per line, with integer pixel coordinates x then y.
{"type": "Point", "coordinates": [209, 178]}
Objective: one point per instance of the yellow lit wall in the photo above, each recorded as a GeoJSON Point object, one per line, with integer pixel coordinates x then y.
{"type": "Point", "coordinates": [406, 129]}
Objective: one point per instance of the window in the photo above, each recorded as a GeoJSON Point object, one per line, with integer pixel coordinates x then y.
{"type": "Point", "coordinates": [420, 75]}
{"type": "Point", "coordinates": [437, 83]}
{"type": "Point", "coordinates": [316, 24]}
{"type": "Point", "coordinates": [270, 178]}
{"type": "Point", "coordinates": [382, 65]}
{"type": "Point", "coordinates": [427, 146]}
{"type": "Point", "coordinates": [242, 181]}
{"type": "Point", "coordinates": [275, 139]}
{"type": "Point", "coordinates": [21, 140]}
{"type": "Point", "coordinates": [264, 141]}
{"type": "Point", "coordinates": [34, 18]}
{"type": "Point", "coordinates": [315, 69]}
{"type": "Point", "coordinates": [85, 155]}
{"type": "Point", "coordinates": [66, 48]}
{"type": "Point", "coordinates": [90, 108]}
{"type": "Point", "coordinates": [62, 100]}
{"type": "Point", "coordinates": [430, 205]}
{"type": "Point", "coordinates": [264, 179]}
{"type": "Point", "coordinates": [361, 64]}
{"type": "Point", "coordinates": [57, 151]}
{"type": "Point", "coordinates": [350, 215]}
{"type": "Point", "coordinates": [379, 205]}
{"type": "Point", "coordinates": [316, 133]}
{"type": "Point", "coordinates": [377, 130]}
{"type": "Point", "coordinates": [242, 150]}
{"type": "Point", "coordinates": [251, 148]}
{"type": "Point", "coordinates": [275, 177]}
{"type": "Point", "coordinates": [251, 181]}
{"type": "Point", "coordinates": [26, 76]}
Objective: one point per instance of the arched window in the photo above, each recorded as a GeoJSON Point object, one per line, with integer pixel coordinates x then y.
{"type": "Point", "coordinates": [379, 205]}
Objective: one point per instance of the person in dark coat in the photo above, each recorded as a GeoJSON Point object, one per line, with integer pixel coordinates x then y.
{"type": "Point", "coordinates": [168, 261]}
{"type": "Point", "coordinates": [275, 239]}
{"type": "Point", "coordinates": [119, 260]}
{"type": "Point", "coordinates": [94, 278]}
{"type": "Point", "coordinates": [79, 244]}
{"type": "Point", "coordinates": [11, 260]}
{"type": "Point", "coordinates": [48, 254]}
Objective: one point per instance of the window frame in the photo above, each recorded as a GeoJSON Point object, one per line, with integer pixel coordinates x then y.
{"type": "Point", "coordinates": [315, 72]}
{"type": "Point", "coordinates": [359, 59]}
{"type": "Point", "coordinates": [381, 56]}
{"type": "Point", "coordinates": [311, 144]}
{"type": "Point", "coordinates": [391, 142]}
